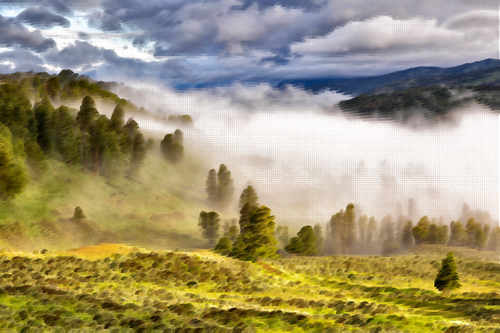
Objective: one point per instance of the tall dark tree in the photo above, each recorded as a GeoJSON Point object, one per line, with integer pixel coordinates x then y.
{"type": "Point", "coordinates": [210, 225]}
{"type": "Point", "coordinates": [225, 186]}
{"type": "Point", "coordinates": [350, 228]}
{"type": "Point", "coordinates": [337, 231]}
{"type": "Point", "coordinates": [447, 279]}
{"type": "Point", "coordinates": [407, 237]}
{"type": "Point", "coordinates": [248, 195]}
{"type": "Point", "coordinates": [138, 154]}
{"type": "Point", "coordinates": [87, 114]}
{"type": "Point", "coordinates": [13, 172]}
{"type": "Point", "coordinates": [211, 188]}
{"type": "Point", "coordinates": [421, 230]}
{"type": "Point", "coordinates": [308, 239]}
{"type": "Point", "coordinates": [257, 239]}
{"type": "Point", "coordinates": [53, 86]}
{"type": "Point", "coordinates": [371, 233]}
{"type": "Point", "coordinates": [178, 136]}
{"type": "Point", "coordinates": [457, 234]}
{"type": "Point", "coordinates": [45, 128]}
{"type": "Point", "coordinates": [117, 121]}
{"type": "Point", "coordinates": [318, 234]}
{"type": "Point", "coordinates": [362, 224]}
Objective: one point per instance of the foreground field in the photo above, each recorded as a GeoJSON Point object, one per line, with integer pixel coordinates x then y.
{"type": "Point", "coordinates": [122, 288]}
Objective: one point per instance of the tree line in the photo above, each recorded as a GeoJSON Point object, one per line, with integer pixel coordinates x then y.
{"type": "Point", "coordinates": [31, 135]}
{"type": "Point", "coordinates": [257, 236]}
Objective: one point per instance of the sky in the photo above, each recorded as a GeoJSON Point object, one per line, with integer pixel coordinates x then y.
{"type": "Point", "coordinates": [191, 42]}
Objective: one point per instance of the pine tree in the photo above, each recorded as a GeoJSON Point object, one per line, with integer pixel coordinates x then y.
{"type": "Point", "coordinates": [371, 233]}
{"type": "Point", "coordinates": [432, 238]}
{"type": "Point", "coordinates": [210, 225]}
{"type": "Point", "coordinates": [457, 234]}
{"type": "Point", "coordinates": [308, 239]}
{"type": "Point", "coordinates": [442, 237]}
{"type": "Point", "coordinates": [78, 215]}
{"type": "Point", "coordinates": [43, 112]}
{"type": "Point", "coordinates": [257, 240]}
{"type": "Point", "coordinates": [87, 113]}
{"type": "Point", "coordinates": [138, 154]}
{"type": "Point", "coordinates": [224, 246]}
{"type": "Point", "coordinates": [471, 229]}
{"type": "Point", "coordinates": [350, 228]}
{"type": "Point", "coordinates": [447, 279]}
{"type": "Point", "coordinates": [295, 246]}
{"type": "Point", "coordinates": [318, 234]}
{"type": "Point", "coordinates": [421, 231]}
{"type": "Point", "coordinates": [211, 188]}
{"type": "Point", "coordinates": [225, 186]}
{"type": "Point", "coordinates": [362, 224]}
{"type": "Point", "coordinates": [117, 121]}
{"type": "Point", "coordinates": [407, 237]}
{"type": "Point", "coordinates": [178, 136]}
{"type": "Point", "coordinates": [248, 195]}
{"type": "Point", "coordinates": [337, 231]}
{"type": "Point", "coordinates": [13, 172]}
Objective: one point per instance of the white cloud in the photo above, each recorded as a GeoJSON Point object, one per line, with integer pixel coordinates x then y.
{"type": "Point", "coordinates": [384, 33]}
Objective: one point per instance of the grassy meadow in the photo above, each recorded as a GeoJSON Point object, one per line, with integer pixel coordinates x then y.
{"type": "Point", "coordinates": [131, 289]}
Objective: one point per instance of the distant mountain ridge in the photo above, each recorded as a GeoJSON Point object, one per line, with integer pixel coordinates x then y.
{"type": "Point", "coordinates": [398, 80]}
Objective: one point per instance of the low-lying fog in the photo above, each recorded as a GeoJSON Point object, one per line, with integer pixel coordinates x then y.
{"type": "Point", "coordinates": [307, 160]}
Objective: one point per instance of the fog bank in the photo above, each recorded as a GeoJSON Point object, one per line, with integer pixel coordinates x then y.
{"type": "Point", "coordinates": [307, 160]}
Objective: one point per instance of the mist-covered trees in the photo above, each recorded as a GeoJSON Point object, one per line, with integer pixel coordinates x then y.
{"type": "Point", "coordinates": [138, 154]}
{"type": "Point", "coordinates": [406, 236]}
{"type": "Point", "coordinates": [248, 195]}
{"type": "Point", "coordinates": [343, 230]}
{"type": "Point", "coordinates": [318, 234]}
{"type": "Point", "coordinates": [171, 147]}
{"type": "Point", "coordinates": [210, 225]}
{"type": "Point", "coordinates": [447, 279]}
{"type": "Point", "coordinates": [219, 188]}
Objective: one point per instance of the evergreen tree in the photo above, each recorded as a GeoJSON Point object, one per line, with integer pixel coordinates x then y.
{"type": "Point", "coordinates": [231, 231]}
{"type": "Point", "coordinates": [45, 132]}
{"type": "Point", "coordinates": [337, 231]}
{"type": "Point", "coordinates": [212, 189]}
{"type": "Point", "coordinates": [53, 87]}
{"type": "Point", "coordinates": [295, 246]}
{"type": "Point", "coordinates": [308, 239]}
{"type": "Point", "coordinates": [138, 154]}
{"type": "Point", "coordinates": [318, 234]}
{"type": "Point", "coordinates": [210, 225]}
{"type": "Point", "coordinates": [224, 246]}
{"type": "Point", "coordinates": [117, 121]}
{"type": "Point", "coordinates": [447, 279]}
{"type": "Point", "coordinates": [177, 152]}
{"type": "Point", "coordinates": [178, 136]}
{"type": "Point", "coordinates": [494, 239]}
{"type": "Point", "coordinates": [471, 228]}
{"type": "Point", "coordinates": [245, 214]}
{"type": "Point", "coordinates": [421, 231]}
{"type": "Point", "coordinates": [371, 233]}
{"type": "Point", "coordinates": [13, 172]}
{"type": "Point", "coordinates": [87, 113]}
{"type": "Point", "coordinates": [350, 226]}
{"type": "Point", "coordinates": [432, 238]}
{"type": "Point", "coordinates": [248, 195]}
{"type": "Point", "coordinates": [78, 215]}
{"type": "Point", "coordinates": [257, 240]}
{"type": "Point", "coordinates": [171, 150]}
{"type": "Point", "coordinates": [35, 159]}
{"type": "Point", "coordinates": [407, 237]}
{"type": "Point", "coordinates": [442, 237]}
{"type": "Point", "coordinates": [362, 222]}
{"type": "Point", "coordinates": [457, 234]}
{"type": "Point", "coordinates": [225, 186]}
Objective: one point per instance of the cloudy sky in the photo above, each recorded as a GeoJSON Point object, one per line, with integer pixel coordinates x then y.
{"type": "Point", "coordinates": [188, 42]}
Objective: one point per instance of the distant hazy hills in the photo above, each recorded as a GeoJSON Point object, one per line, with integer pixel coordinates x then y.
{"type": "Point", "coordinates": [471, 74]}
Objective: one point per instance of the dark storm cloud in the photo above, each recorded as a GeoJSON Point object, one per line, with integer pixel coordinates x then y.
{"type": "Point", "coordinates": [76, 55]}
{"type": "Point", "coordinates": [12, 33]}
{"type": "Point", "coordinates": [238, 27]}
{"type": "Point", "coordinates": [41, 18]}
{"type": "Point", "coordinates": [59, 6]}
{"type": "Point", "coordinates": [83, 35]}
{"type": "Point", "coordinates": [21, 56]}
